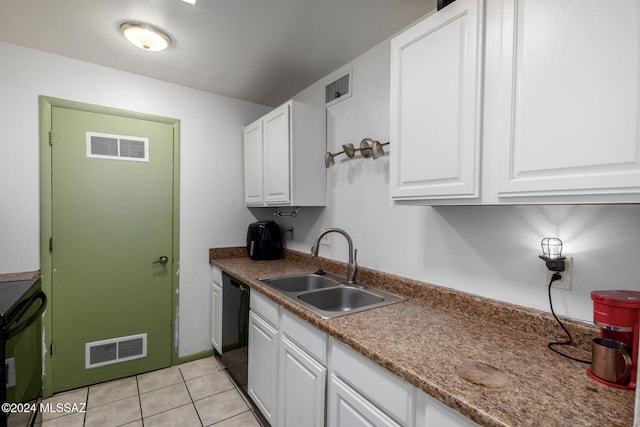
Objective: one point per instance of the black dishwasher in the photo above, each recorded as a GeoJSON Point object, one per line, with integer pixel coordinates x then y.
{"type": "Point", "coordinates": [235, 328]}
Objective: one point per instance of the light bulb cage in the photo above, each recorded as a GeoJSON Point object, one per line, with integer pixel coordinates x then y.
{"type": "Point", "coordinates": [552, 253]}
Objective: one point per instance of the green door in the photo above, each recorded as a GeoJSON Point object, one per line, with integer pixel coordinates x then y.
{"type": "Point", "coordinates": [112, 206]}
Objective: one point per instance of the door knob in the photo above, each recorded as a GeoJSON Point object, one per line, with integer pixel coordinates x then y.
{"type": "Point", "coordinates": [162, 260]}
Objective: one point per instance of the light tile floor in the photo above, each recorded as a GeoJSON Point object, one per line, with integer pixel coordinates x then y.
{"type": "Point", "coordinates": [197, 393]}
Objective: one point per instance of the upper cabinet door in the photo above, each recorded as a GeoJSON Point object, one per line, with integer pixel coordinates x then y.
{"type": "Point", "coordinates": [253, 163]}
{"type": "Point", "coordinates": [435, 105]}
{"type": "Point", "coordinates": [277, 169]}
{"type": "Point", "coordinates": [283, 160]}
{"type": "Point", "coordinates": [569, 101]}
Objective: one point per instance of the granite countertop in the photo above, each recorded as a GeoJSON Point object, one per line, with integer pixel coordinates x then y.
{"type": "Point", "coordinates": [426, 338]}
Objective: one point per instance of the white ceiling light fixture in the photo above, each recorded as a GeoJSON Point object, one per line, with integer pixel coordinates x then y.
{"type": "Point", "coordinates": [145, 36]}
{"type": "Point", "coordinates": [191, 2]}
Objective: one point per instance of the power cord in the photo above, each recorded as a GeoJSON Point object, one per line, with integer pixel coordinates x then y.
{"type": "Point", "coordinates": [557, 276]}
{"type": "Point", "coordinates": [290, 230]}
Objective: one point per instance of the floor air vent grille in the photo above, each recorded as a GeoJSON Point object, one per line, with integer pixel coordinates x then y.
{"type": "Point", "coordinates": [115, 350]}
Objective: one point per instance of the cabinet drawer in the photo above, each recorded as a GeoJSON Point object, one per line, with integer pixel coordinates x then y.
{"type": "Point", "coordinates": [267, 309]}
{"type": "Point", "coordinates": [216, 275]}
{"type": "Point", "coordinates": [432, 413]}
{"type": "Point", "coordinates": [347, 408]}
{"type": "Point", "coordinates": [381, 387]}
{"type": "Point", "coordinates": [307, 336]}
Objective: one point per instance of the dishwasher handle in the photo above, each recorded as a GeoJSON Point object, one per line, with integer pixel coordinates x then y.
{"type": "Point", "coordinates": [243, 313]}
{"type": "Point", "coordinates": [12, 332]}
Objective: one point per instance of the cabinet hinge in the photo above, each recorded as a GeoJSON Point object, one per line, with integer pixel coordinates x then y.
{"type": "Point", "coordinates": [50, 244]}
{"type": "Point", "coordinates": [51, 348]}
{"type": "Point", "coordinates": [50, 137]}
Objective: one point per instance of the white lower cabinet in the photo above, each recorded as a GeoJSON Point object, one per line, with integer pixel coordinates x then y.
{"type": "Point", "coordinates": [302, 374]}
{"type": "Point", "coordinates": [369, 386]}
{"type": "Point", "coordinates": [216, 316]}
{"type": "Point", "coordinates": [299, 377]}
{"type": "Point", "coordinates": [302, 384]}
{"type": "Point", "coordinates": [287, 373]}
{"type": "Point", "coordinates": [431, 413]}
{"type": "Point", "coordinates": [263, 365]}
{"type": "Point", "coordinates": [216, 309]}
{"type": "Point", "coordinates": [348, 408]}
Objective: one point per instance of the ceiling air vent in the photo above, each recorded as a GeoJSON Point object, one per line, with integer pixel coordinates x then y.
{"type": "Point", "coordinates": [337, 90]}
{"type": "Point", "coordinates": [117, 147]}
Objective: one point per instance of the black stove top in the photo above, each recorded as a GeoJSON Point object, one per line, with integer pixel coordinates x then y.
{"type": "Point", "coordinates": [13, 292]}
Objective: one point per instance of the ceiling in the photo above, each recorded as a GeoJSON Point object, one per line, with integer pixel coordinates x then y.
{"type": "Point", "coordinates": [264, 51]}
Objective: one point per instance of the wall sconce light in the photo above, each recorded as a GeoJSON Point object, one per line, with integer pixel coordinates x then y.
{"type": "Point", "coordinates": [552, 253]}
{"type": "Point", "coordinates": [552, 256]}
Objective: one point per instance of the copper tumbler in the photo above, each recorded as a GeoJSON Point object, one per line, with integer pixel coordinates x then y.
{"type": "Point", "coordinates": [610, 360]}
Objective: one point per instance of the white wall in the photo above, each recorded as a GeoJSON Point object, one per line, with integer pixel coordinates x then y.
{"type": "Point", "coordinates": [486, 250]}
{"type": "Point", "coordinates": [212, 209]}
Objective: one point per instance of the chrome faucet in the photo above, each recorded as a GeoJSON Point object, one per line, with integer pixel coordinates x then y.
{"type": "Point", "coordinates": [353, 253]}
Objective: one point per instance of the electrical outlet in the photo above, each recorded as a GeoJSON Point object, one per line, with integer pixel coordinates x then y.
{"type": "Point", "coordinates": [326, 240]}
{"type": "Point", "coordinates": [565, 282]}
{"type": "Point", "coordinates": [293, 233]}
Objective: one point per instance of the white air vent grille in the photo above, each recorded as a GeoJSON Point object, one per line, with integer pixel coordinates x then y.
{"type": "Point", "coordinates": [132, 148]}
{"type": "Point", "coordinates": [104, 146]}
{"type": "Point", "coordinates": [115, 350]}
{"type": "Point", "coordinates": [337, 90]}
{"type": "Point", "coordinates": [118, 147]}
{"type": "Point", "coordinates": [10, 372]}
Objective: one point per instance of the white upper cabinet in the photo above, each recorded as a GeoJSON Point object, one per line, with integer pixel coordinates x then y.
{"type": "Point", "coordinates": [569, 100]}
{"type": "Point", "coordinates": [518, 101]}
{"type": "Point", "coordinates": [275, 145]}
{"type": "Point", "coordinates": [284, 157]}
{"type": "Point", "coordinates": [253, 188]}
{"type": "Point", "coordinates": [435, 105]}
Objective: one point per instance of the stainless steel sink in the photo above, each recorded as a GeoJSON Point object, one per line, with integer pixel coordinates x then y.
{"type": "Point", "coordinates": [327, 296]}
{"type": "Point", "coordinates": [301, 283]}
{"type": "Point", "coordinates": [340, 299]}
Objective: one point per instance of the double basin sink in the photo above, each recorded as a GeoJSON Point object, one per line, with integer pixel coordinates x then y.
{"type": "Point", "coordinates": [329, 297]}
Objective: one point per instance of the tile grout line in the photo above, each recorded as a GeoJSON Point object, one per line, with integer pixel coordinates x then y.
{"type": "Point", "coordinates": [235, 387]}
{"type": "Point", "coordinates": [139, 401]}
{"type": "Point", "coordinates": [228, 418]}
{"type": "Point", "coordinates": [190, 397]}
{"type": "Point", "coordinates": [247, 399]}
{"type": "Point", "coordinates": [86, 399]}
{"type": "Point", "coordinates": [109, 403]}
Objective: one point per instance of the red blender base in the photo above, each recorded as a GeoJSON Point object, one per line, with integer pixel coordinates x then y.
{"type": "Point", "coordinates": [630, 386]}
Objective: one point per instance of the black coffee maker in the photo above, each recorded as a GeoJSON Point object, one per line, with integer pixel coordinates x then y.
{"type": "Point", "coordinates": [264, 240]}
